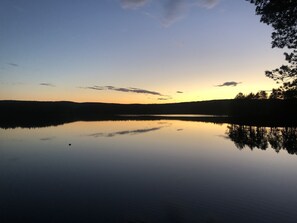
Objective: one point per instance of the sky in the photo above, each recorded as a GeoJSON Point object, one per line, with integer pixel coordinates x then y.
{"type": "Point", "coordinates": [133, 51]}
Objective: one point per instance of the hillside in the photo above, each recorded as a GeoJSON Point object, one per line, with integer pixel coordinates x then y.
{"type": "Point", "coordinates": [268, 111]}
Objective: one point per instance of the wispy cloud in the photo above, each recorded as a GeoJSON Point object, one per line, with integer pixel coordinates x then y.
{"type": "Point", "coordinates": [173, 10]}
{"type": "Point", "coordinates": [229, 84]}
{"type": "Point", "coordinates": [47, 84]}
{"type": "Point", "coordinates": [95, 87]}
{"type": "Point", "coordinates": [13, 64]}
{"type": "Point", "coordinates": [133, 4]}
{"type": "Point", "coordinates": [179, 92]}
{"type": "Point", "coordinates": [124, 89]}
{"type": "Point", "coordinates": [163, 99]}
{"type": "Point", "coordinates": [177, 9]}
{"type": "Point", "coordinates": [208, 3]}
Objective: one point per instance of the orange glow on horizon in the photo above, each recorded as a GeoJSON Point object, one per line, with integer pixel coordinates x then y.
{"type": "Point", "coordinates": [172, 94]}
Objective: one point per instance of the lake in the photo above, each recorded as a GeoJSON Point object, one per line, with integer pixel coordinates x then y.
{"type": "Point", "coordinates": [148, 171]}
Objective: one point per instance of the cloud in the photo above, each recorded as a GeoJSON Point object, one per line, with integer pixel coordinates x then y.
{"type": "Point", "coordinates": [134, 90]}
{"type": "Point", "coordinates": [13, 64]}
{"type": "Point", "coordinates": [47, 84]}
{"type": "Point", "coordinates": [121, 89]}
{"type": "Point", "coordinates": [208, 3]}
{"type": "Point", "coordinates": [95, 87]}
{"type": "Point", "coordinates": [177, 9]}
{"type": "Point", "coordinates": [173, 10]}
{"type": "Point", "coordinates": [228, 84]}
{"type": "Point", "coordinates": [163, 99]}
{"type": "Point", "coordinates": [133, 4]}
{"type": "Point", "coordinates": [179, 92]}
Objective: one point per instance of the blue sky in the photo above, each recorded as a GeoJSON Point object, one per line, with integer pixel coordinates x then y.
{"type": "Point", "coordinates": [122, 51]}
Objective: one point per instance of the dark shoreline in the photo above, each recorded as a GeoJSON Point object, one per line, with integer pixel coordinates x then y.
{"type": "Point", "coordinates": [31, 114]}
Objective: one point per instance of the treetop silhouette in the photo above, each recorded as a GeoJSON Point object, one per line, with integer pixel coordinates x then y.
{"type": "Point", "coordinates": [282, 16]}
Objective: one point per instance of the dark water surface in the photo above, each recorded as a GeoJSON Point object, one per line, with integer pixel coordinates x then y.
{"type": "Point", "coordinates": [148, 171]}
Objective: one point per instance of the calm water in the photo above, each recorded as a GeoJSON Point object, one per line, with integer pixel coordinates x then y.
{"type": "Point", "coordinates": [148, 171]}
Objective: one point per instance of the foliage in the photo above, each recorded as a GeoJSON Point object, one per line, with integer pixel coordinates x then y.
{"type": "Point", "coordinates": [282, 16]}
{"type": "Point", "coordinates": [258, 95]}
{"type": "Point", "coordinates": [287, 74]}
{"type": "Point", "coordinates": [261, 95]}
{"type": "Point", "coordinates": [282, 93]}
{"type": "Point", "coordinates": [240, 95]}
{"type": "Point", "coordinates": [276, 94]}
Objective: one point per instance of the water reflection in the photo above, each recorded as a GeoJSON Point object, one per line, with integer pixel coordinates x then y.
{"type": "Point", "coordinates": [278, 138]}
{"type": "Point", "coordinates": [169, 171]}
{"type": "Point", "coordinates": [47, 138]}
{"type": "Point", "coordinates": [126, 132]}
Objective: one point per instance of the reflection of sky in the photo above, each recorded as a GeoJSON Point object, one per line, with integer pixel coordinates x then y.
{"type": "Point", "coordinates": [49, 50]}
{"type": "Point", "coordinates": [192, 172]}
{"type": "Point", "coordinates": [124, 132]}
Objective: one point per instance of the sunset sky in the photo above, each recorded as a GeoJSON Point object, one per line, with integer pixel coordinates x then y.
{"type": "Point", "coordinates": [133, 51]}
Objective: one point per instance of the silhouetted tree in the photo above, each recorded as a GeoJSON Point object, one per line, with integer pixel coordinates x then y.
{"type": "Point", "coordinates": [282, 16]}
{"type": "Point", "coordinates": [258, 95]}
{"type": "Point", "coordinates": [261, 95]}
{"type": "Point", "coordinates": [240, 96]}
{"type": "Point", "coordinates": [290, 94]}
{"type": "Point", "coordinates": [276, 94]}
{"type": "Point", "coordinates": [251, 96]}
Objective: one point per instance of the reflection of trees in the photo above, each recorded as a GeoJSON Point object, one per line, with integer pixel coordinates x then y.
{"type": "Point", "coordinates": [248, 136]}
{"type": "Point", "coordinates": [261, 137]}
{"type": "Point", "coordinates": [290, 140]}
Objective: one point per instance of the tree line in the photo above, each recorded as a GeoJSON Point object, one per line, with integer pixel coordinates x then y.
{"type": "Point", "coordinates": [277, 93]}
